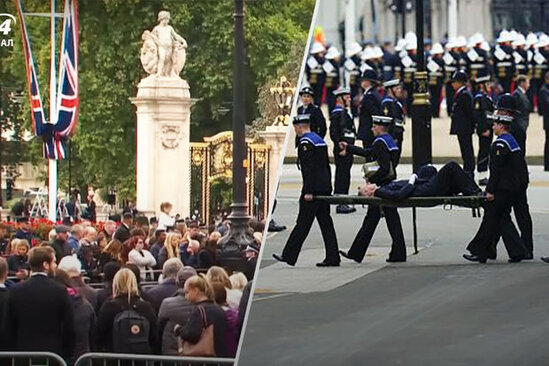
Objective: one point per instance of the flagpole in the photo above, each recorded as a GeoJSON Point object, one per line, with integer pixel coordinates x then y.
{"type": "Point", "coordinates": [52, 189]}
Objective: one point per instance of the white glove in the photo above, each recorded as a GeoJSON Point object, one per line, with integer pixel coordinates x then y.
{"type": "Point", "coordinates": [412, 179]}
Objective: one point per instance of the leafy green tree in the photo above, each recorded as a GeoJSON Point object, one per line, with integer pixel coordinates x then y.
{"type": "Point", "coordinates": [104, 146]}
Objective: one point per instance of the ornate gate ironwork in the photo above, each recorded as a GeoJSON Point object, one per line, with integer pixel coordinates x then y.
{"type": "Point", "coordinates": [211, 177]}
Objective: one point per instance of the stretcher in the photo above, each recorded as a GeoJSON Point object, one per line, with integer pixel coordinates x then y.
{"type": "Point", "coordinates": [472, 202]}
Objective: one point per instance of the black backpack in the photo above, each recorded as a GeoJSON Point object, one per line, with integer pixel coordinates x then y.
{"type": "Point", "coordinates": [130, 331]}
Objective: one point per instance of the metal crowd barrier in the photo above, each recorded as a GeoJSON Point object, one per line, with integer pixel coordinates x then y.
{"type": "Point", "coordinates": [31, 359]}
{"type": "Point", "coordinates": [119, 359]}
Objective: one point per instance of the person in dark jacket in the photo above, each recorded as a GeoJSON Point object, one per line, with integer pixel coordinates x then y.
{"type": "Point", "coordinates": [199, 292]}
{"type": "Point", "coordinates": [40, 313]}
{"type": "Point", "coordinates": [317, 180]}
{"type": "Point", "coordinates": [544, 107]}
{"type": "Point", "coordinates": [84, 317]}
{"type": "Point", "coordinates": [18, 262]}
{"type": "Point", "coordinates": [506, 187]}
{"type": "Point", "coordinates": [384, 152]}
{"type": "Point", "coordinates": [123, 232]}
{"type": "Point", "coordinates": [4, 330]}
{"type": "Point", "coordinates": [174, 310]}
{"type": "Point", "coordinates": [105, 293]}
{"type": "Point", "coordinates": [463, 120]}
{"type": "Point", "coordinates": [342, 128]}
{"type": "Point", "coordinates": [24, 233]}
{"type": "Point", "coordinates": [482, 105]}
{"type": "Point", "coordinates": [73, 268]}
{"type": "Point", "coordinates": [231, 316]}
{"type": "Point", "coordinates": [318, 122]}
{"type": "Point", "coordinates": [450, 180]}
{"type": "Point", "coordinates": [125, 295]}
{"type": "Point", "coordinates": [60, 243]}
{"type": "Point", "coordinates": [370, 105]}
{"type": "Point", "coordinates": [522, 114]}
{"type": "Point", "coordinates": [167, 287]}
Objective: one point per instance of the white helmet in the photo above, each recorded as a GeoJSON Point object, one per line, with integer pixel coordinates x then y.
{"type": "Point", "coordinates": [400, 45]}
{"type": "Point", "coordinates": [505, 36]}
{"type": "Point", "coordinates": [520, 40]}
{"type": "Point", "coordinates": [437, 49]}
{"type": "Point", "coordinates": [531, 39]}
{"type": "Point", "coordinates": [367, 53]}
{"type": "Point", "coordinates": [378, 52]}
{"type": "Point", "coordinates": [354, 49]}
{"type": "Point", "coordinates": [332, 53]}
{"type": "Point", "coordinates": [461, 42]}
{"type": "Point", "coordinates": [476, 39]}
{"type": "Point", "coordinates": [450, 43]}
{"type": "Point", "coordinates": [543, 41]}
{"type": "Point", "coordinates": [317, 48]}
{"type": "Point", "coordinates": [485, 46]}
{"type": "Point", "coordinates": [513, 35]}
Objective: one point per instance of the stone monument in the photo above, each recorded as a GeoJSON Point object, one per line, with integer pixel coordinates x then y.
{"type": "Point", "coordinates": [163, 104]}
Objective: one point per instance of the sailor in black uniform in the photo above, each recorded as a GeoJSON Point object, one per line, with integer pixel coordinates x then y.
{"type": "Point", "coordinates": [317, 180]}
{"type": "Point", "coordinates": [370, 105]}
{"type": "Point", "coordinates": [435, 66]}
{"type": "Point", "coordinates": [318, 122]}
{"type": "Point", "coordinates": [482, 105]}
{"type": "Point", "coordinates": [342, 128]}
{"type": "Point", "coordinates": [506, 187]}
{"type": "Point", "coordinates": [384, 152]}
{"type": "Point", "coordinates": [392, 107]}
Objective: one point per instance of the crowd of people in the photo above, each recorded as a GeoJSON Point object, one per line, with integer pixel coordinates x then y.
{"type": "Point", "coordinates": [514, 63]}
{"type": "Point", "coordinates": [138, 286]}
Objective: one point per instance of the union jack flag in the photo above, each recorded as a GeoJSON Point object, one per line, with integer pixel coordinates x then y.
{"type": "Point", "coordinates": [37, 109]}
{"type": "Point", "coordinates": [55, 133]}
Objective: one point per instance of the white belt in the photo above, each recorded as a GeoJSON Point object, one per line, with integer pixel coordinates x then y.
{"type": "Point", "coordinates": [503, 64]}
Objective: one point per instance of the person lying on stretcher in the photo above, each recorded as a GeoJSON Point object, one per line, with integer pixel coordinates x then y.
{"type": "Point", "coordinates": [450, 180]}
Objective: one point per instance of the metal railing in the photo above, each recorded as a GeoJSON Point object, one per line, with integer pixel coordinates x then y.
{"type": "Point", "coordinates": [122, 359]}
{"type": "Point", "coordinates": [31, 359]}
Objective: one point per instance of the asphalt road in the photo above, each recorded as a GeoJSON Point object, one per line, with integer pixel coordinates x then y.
{"type": "Point", "coordinates": [435, 309]}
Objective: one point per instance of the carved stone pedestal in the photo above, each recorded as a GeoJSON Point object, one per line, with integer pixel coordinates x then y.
{"type": "Point", "coordinates": [163, 147]}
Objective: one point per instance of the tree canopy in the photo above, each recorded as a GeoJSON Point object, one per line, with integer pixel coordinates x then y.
{"type": "Point", "coordinates": [104, 146]}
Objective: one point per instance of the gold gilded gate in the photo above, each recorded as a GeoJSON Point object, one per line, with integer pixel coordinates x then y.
{"type": "Point", "coordinates": [211, 178]}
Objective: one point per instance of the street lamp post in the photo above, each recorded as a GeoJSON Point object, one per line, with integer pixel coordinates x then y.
{"type": "Point", "coordinates": [238, 236]}
{"type": "Point", "coordinates": [421, 117]}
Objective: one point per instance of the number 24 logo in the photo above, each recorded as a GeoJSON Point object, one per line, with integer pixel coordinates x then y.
{"type": "Point", "coordinates": [5, 26]}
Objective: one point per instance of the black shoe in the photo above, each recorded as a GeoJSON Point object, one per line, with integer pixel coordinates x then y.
{"type": "Point", "coordinates": [327, 264]}
{"type": "Point", "coordinates": [483, 182]}
{"type": "Point", "coordinates": [492, 256]}
{"type": "Point", "coordinates": [474, 258]}
{"type": "Point", "coordinates": [545, 259]}
{"type": "Point", "coordinates": [274, 227]}
{"type": "Point", "coordinates": [391, 260]}
{"type": "Point", "coordinates": [346, 255]}
{"type": "Point", "coordinates": [344, 209]}
{"type": "Point", "coordinates": [279, 258]}
{"type": "Point", "coordinates": [515, 259]}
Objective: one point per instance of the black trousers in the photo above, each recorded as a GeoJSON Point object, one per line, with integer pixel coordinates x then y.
{"type": "Point", "coordinates": [533, 90]}
{"type": "Point", "coordinates": [497, 220]}
{"type": "Point", "coordinates": [342, 173]}
{"type": "Point", "coordinates": [409, 96]}
{"type": "Point", "coordinates": [398, 136]}
{"type": "Point", "coordinates": [467, 153]}
{"type": "Point", "coordinates": [449, 91]}
{"type": "Point", "coordinates": [546, 152]}
{"type": "Point", "coordinates": [366, 232]}
{"type": "Point", "coordinates": [368, 139]}
{"type": "Point", "coordinates": [308, 211]}
{"type": "Point", "coordinates": [317, 89]}
{"type": "Point", "coordinates": [524, 220]}
{"type": "Point", "coordinates": [435, 91]}
{"type": "Point", "coordinates": [451, 179]}
{"type": "Point", "coordinates": [484, 145]}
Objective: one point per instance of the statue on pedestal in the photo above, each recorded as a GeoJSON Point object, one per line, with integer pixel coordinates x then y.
{"type": "Point", "coordinates": [164, 52]}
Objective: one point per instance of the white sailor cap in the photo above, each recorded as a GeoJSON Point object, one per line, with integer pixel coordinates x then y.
{"type": "Point", "coordinates": [500, 118]}
{"type": "Point", "coordinates": [302, 118]}
{"type": "Point", "coordinates": [342, 91]}
{"type": "Point", "coordinates": [317, 48]}
{"type": "Point", "coordinates": [391, 83]}
{"type": "Point", "coordinates": [382, 120]}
